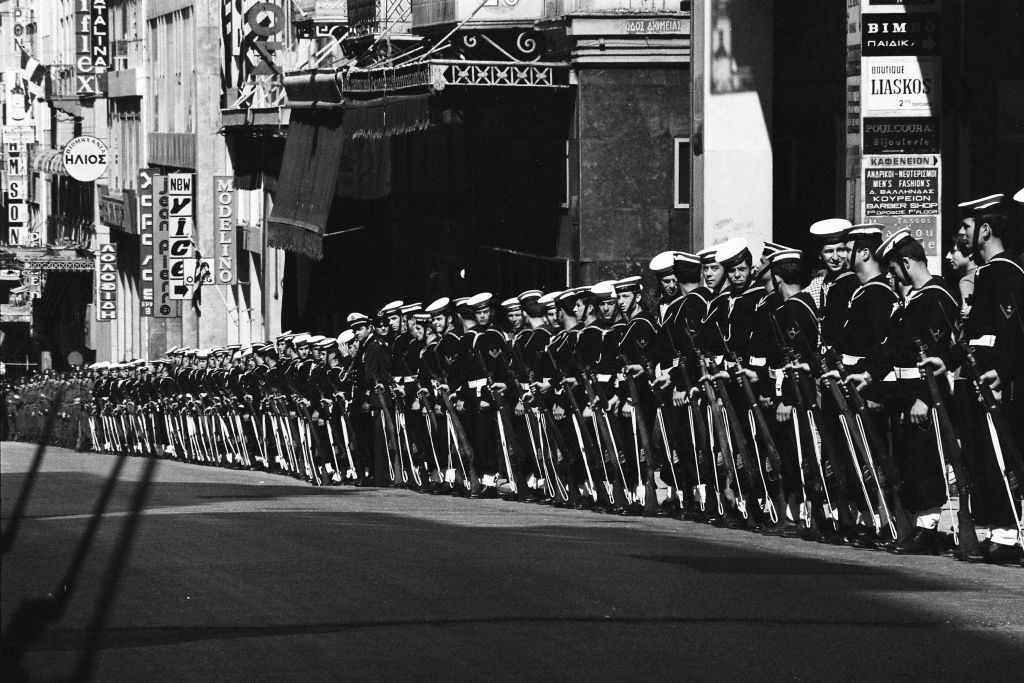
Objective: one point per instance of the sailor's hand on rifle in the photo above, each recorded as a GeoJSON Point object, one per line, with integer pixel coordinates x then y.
{"type": "Point", "coordinates": [484, 405]}
{"type": "Point", "coordinates": [499, 387]}
{"type": "Point", "coordinates": [858, 380]}
{"type": "Point", "coordinates": [613, 404]}
{"type": "Point", "coordinates": [627, 408]}
{"type": "Point", "coordinates": [460, 405]}
{"type": "Point", "coordinates": [679, 398]}
{"type": "Point", "coordinates": [919, 412]}
{"type": "Point", "coordinates": [569, 381]}
{"type": "Point", "coordinates": [541, 386]}
{"type": "Point", "coordinates": [634, 369]}
{"type": "Point", "coordinates": [933, 363]}
{"type": "Point", "coordinates": [751, 375]}
{"type": "Point", "coordinates": [991, 378]}
{"type": "Point", "coordinates": [422, 392]}
{"type": "Point", "coordinates": [832, 374]}
{"type": "Point", "coordinates": [766, 401]}
{"type": "Point", "coordinates": [520, 409]}
{"type": "Point", "coordinates": [558, 412]}
{"type": "Point", "coordinates": [783, 413]}
{"type": "Point", "coordinates": [443, 387]}
{"type": "Point", "coordinates": [662, 382]}
{"type": "Point", "coordinates": [415, 405]}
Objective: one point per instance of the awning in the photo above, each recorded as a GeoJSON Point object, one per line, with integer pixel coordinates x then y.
{"type": "Point", "coordinates": [305, 190]}
{"type": "Point", "coordinates": [313, 154]}
{"type": "Point", "coordinates": [48, 160]}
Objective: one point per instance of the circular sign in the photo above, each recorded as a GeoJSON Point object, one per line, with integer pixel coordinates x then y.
{"type": "Point", "coordinates": [85, 158]}
{"type": "Point", "coordinates": [75, 358]}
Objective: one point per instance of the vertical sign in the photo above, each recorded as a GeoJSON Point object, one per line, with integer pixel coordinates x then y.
{"type": "Point", "coordinates": [147, 249]}
{"type": "Point", "coordinates": [163, 305]}
{"type": "Point", "coordinates": [17, 208]}
{"type": "Point", "coordinates": [106, 282]}
{"type": "Point", "coordinates": [900, 100]}
{"type": "Point", "coordinates": [853, 115]}
{"type": "Point", "coordinates": [224, 272]}
{"type": "Point", "coordinates": [85, 79]}
{"type": "Point", "coordinates": [178, 205]}
{"type": "Point", "coordinates": [99, 43]}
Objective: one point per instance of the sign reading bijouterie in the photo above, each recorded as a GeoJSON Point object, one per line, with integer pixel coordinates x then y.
{"type": "Point", "coordinates": [901, 135]}
{"type": "Point", "coordinates": [106, 282]}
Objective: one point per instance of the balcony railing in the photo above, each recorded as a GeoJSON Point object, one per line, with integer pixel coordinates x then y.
{"type": "Point", "coordinates": [558, 8]}
{"type": "Point", "coordinates": [493, 13]}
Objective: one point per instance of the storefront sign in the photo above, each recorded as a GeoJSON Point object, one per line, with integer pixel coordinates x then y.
{"type": "Point", "coordinates": [226, 231]}
{"type": "Point", "coordinates": [92, 46]}
{"type": "Point", "coordinates": [106, 282]}
{"type": "Point", "coordinates": [900, 185]}
{"type": "Point", "coordinates": [147, 297]}
{"type": "Point", "coordinates": [163, 305]}
{"type": "Point", "coordinates": [910, 33]}
{"type": "Point", "coordinates": [16, 170]}
{"type": "Point", "coordinates": [901, 135]}
{"type": "Point", "coordinates": [899, 86]}
{"type": "Point", "coordinates": [661, 25]}
{"type": "Point", "coordinates": [178, 208]}
{"type": "Point", "coordinates": [904, 191]}
{"type": "Point", "coordinates": [85, 158]}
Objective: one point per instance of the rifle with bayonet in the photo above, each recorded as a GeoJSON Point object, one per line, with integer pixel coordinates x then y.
{"type": "Point", "coordinates": [949, 454]}
{"type": "Point", "coordinates": [463, 447]}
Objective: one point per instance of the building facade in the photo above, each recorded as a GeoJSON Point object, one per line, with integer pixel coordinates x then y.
{"type": "Point", "coordinates": [306, 158]}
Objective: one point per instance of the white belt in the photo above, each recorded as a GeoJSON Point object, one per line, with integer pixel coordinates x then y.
{"type": "Point", "coordinates": [984, 340]}
{"type": "Point", "coordinates": [902, 373]}
{"type": "Point", "coordinates": [407, 379]}
{"type": "Point", "coordinates": [851, 360]}
{"type": "Point", "coordinates": [476, 383]}
{"type": "Point", "coordinates": [524, 386]}
{"type": "Point", "coordinates": [605, 377]}
{"type": "Point", "coordinates": [757, 361]}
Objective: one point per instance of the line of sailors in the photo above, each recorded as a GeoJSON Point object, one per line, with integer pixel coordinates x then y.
{"type": "Point", "coordinates": [850, 409]}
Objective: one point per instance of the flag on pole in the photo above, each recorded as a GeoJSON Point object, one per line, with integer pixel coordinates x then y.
{"type": "Point", "coordinates": [202, 276]}
{"type": "Point", "coordinates": [33, 72]}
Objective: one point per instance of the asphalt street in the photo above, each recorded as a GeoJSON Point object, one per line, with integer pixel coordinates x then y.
{"type": "Point", "coordinates": [238, 575]}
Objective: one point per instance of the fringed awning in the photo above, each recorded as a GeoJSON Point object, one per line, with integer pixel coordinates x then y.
{"type": "Point", "coordinates": [313, 155]}
{"type": "Point", "coordinates": [309, 173]}
{"type": "Point", "coordinates": [396, 115]}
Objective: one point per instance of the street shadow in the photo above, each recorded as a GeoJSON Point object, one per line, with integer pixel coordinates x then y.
{"type": "Point", "coordinates": [381, 594]}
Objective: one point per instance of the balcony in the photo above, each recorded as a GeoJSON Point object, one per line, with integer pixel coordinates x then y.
{"type": "Point", "coordinates": [432, 14]}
